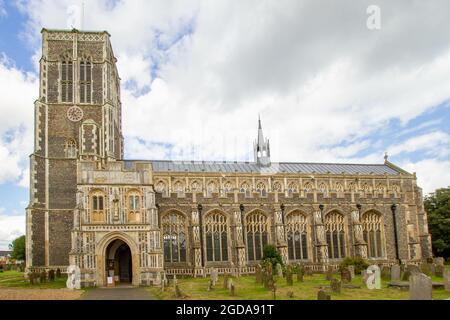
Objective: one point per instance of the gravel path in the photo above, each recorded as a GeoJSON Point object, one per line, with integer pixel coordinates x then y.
{"type": "Point", "coordinates": [39, 294]}
{"type": "Point", "coordinates": [118, 293]}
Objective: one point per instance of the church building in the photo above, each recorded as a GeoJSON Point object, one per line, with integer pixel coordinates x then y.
{"type": "Point", "coordinates": [133, 221]}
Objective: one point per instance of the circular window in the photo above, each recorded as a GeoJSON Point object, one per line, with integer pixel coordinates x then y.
{"type": "Point", "coordinates": [75, 114]}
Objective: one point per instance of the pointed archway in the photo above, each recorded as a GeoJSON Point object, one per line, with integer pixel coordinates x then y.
{"type": "Point", "coordinates": [119, 262]}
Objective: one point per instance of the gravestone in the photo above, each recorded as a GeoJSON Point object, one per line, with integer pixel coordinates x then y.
{"type": "Point", "coordinates": [73, 277]}
{"type": "Point", "coordinates": [51, 275]}
{"type": "Point", "coordinates": [226, 277]}
{"type": "Point", "coordinates": [175, 281]}
{"type": "Point", "coordinates": [300, 274]}
{"type": "Point", "coordinates": [258, 274]}
{"type": "Point", "coordinates": [58, 273]}
{"type": "Point", "coordinates": [439, 261]}
{"type": "Point", "coordinates": [322, 295]}
{"type": "Point", "coordinates": [373, 280]}
{"type": "Point", "coordinates": [364, 276]}
{"type": "Point", "coordinates": [336, 285]}
{"type": "Point", "coordinates": [32, 277]}
{"type": "Point", "coordinates": [439, 270]}
{"type": "Point", "coordinates": [345, 275]}
{"type": "Point", "coordinates": [214, 276]}
{"type": "Point", "coordinates": [232, 289]}
{"type": "Point", "coordinates": [165, 280]}
{"type": "Point", "coordinates": [289, 278]}
{"type": "Point", "coordinates": [329, 274]}
{"type": "Point", "coordinates": [410, 269]}
{"type": "Point", "coordinates": [395, 272]}
{"type": "Point", "coordinates": [43, 277]}
{"type": "Point", "coordinates": [290, 294]}
{"type": "Point", "coordinates": [279, 270]}
{"type": "Point", "coordinates": [178, 292]}
{"type": "Point", "coordinates": [425, 268]}
{"type": "Point", "coordinates": [385, 273]}
{"type": "Point", "coordinates": [351, 269]}
{"type": "Point", "coordinates": [447, 279]}
{"type": "Point", "coordinates": [420, 287]}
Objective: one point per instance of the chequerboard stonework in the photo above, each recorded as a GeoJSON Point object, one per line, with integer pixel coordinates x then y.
{"type": "Point", "coordinates": [130, 221]}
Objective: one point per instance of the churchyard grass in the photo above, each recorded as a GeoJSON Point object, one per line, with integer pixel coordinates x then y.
{"type": "Point", "coordinates": [14, 279]}
{"type": "Point", "coordinates": [247, 289]}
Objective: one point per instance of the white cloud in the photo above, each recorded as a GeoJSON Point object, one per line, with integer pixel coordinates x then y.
{"type": "Point", "coordinates": [431, 173]}
{"type": "Point", "coordinates": [11, 227]}
{"type": "Point", "coordinates": [3, 12]}
{"type": "Point", "coordinates": [312, 69]}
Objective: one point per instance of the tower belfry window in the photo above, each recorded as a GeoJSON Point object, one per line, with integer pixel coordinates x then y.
{"type": "Point", "coordinates": [85, 82]}
{"type": "Point", "coordinates": [67, 81]}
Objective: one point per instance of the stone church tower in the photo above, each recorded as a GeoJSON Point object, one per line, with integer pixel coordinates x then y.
{"type": "Point", "coordinates": [77, 117]}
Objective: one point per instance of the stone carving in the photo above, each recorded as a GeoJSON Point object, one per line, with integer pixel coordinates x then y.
{"type": "Point", "coordinates": [395, 272]}
{"type": "Point", "coordinates": [73, 277]}
{"type": "Point", "coordinates": [373, 280]}
{"type": "Point", "coordinates": [420, 287]}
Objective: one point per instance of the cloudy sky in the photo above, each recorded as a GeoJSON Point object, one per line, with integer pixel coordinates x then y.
{"type": "Point", "coordinates": [196, 74]}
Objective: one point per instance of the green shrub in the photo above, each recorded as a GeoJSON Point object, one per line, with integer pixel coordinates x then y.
{"type": "Point", "coordinates": [272, 256]}
{"type": "Point", "coordinates": [359, 263]}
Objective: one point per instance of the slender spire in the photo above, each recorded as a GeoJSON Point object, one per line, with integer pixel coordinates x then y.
{"type": "Point", "coordinates": [261, 147]}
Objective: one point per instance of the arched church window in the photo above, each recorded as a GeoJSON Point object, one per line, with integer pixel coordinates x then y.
{"type": "Point", "coordinates": [308, 187]}
{"type": "Point", "coordinates": [257, 235]}
{"type": "Point", "coordinates": [161, 187]}
{"type": "Point", "coordinates": [351, 186]}
{"type": "Point", "coordinates": [66, 80]}
{"type": "Point", "coordinates": [85, 81]}
{"type": "Point", "coordinates": [71, 148]}
{"type": "Point", "coordinates": [261, 188]}
{"type": "Point", "coordinates": [372, 233]}
{"type": "Point", "coordinates": [292, 187]}
{"type": "Point", "coordinates": [245, 188]}
{"type": "Point", "coordinates": [216, 237]}
{"type": "Point", "coordinates": [134, 206]}
{"type": "Point", "coordinates": [97, 207]}
{"type": "Point", "coordinates": [297, 236]}
{"type": "Point", "coordinates": [174, 237]}
{"type": "Point", "coordinates": [323, 188]}
{"type": "Point", "coordinates": [277, 187]}
{"type": "Point", "coordinates": [335, 235]}
{"type": "Point", "coordinates": [228, 187]}
{"type": "Point", "coordinates": [178, 188]}
{"type": "Point", "coordinates": [195, 186]}
{"type": "Point", "coordinates": [211, 188]}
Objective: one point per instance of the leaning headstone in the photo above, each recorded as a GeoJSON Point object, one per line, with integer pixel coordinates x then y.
{"type": "Point", "coordinates": [51, 275]}
{"type": "Point", "coordinates": [322, 295]}
{"type": "Point", "coordinates": [351, 269]}
{"type": "Point", "coordinates": [336, 285]}
{"type": "Point", "coordinates": [214, 276]}
{"type": "Point", "coordinates": [73, 277]}
{"type": "Point", "coordinates": [345, 275]}
{"type": "Point", "coordinates": [385, 272]}
{"type": "Point", "coordinates": [279, 270]}
{"type": "Point", "coordinates": [420, 287]}
{"type": "Point", "coordinates": [58, 273]}
{"type": "Point", "coordinates": [373, 280]}
{"type": "Point", "coordinates": [447, 279]}
{"type": "Point", "coordinates": [395, 272]}
{"type": "Point", "coordinates": [439, 270]}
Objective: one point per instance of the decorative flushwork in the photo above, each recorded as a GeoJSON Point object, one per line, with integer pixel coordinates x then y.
{"type": "Point", "coordinates": [360, 244]}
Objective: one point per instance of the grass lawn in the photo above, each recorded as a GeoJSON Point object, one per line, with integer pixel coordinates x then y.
{"type": "Point", "coordinates": [14, 279]}
{"type": "Point", "coordinates": [247, 289]}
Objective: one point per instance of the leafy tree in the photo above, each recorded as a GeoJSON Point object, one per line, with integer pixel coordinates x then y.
{"type": "Point", "coordinates": [271, 255]}
{"type": "Point", "coordinates": [18, 248]}
{"type": "Point", "coordinates": [359, 263]}
{"type": "Point", "coordinates": [437, 206]}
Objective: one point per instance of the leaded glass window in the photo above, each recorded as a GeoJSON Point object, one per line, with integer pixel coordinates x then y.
{"type": "Point", "coordinates": [174, 237]}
